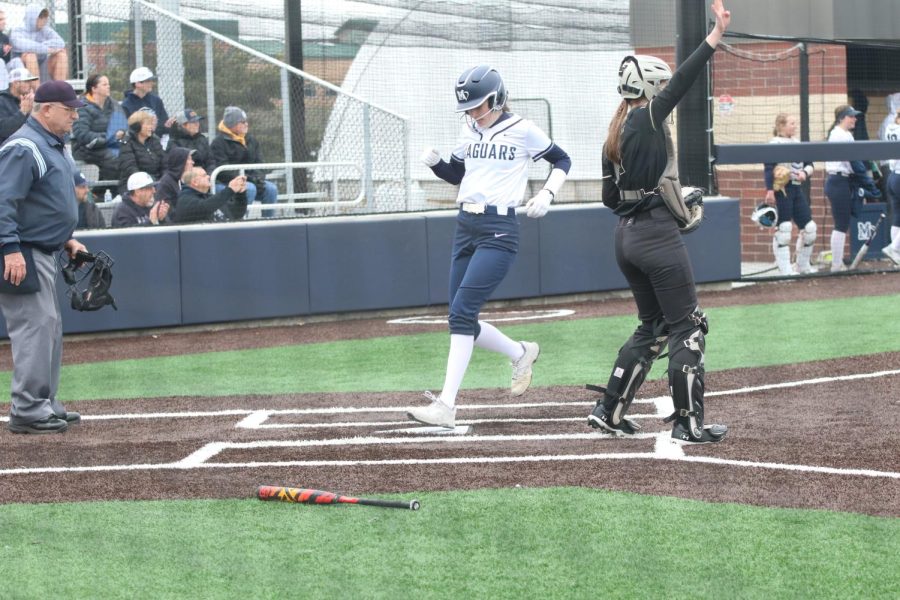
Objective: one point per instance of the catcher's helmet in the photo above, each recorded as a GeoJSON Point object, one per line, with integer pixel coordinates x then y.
{"type": "Point", "coordinates": [93, 273]}
{"type": "Point", "coordinates": [765, 214]}
{"type": "Point", "coordinates": [478, 84]}
{"type": "Point", "coordinates": [642, 75]}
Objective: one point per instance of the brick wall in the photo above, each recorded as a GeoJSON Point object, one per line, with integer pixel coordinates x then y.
{"type": "Point", "coordinates": [761, 89]}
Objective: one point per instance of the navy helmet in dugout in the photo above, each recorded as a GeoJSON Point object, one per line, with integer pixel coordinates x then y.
{"type": "Point", "coordinates": [478, 84]}
{"type": "Point", "coordinates": [765, 214]}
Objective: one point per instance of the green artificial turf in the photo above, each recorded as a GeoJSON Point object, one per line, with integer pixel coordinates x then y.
{"type": "Point", "coordinates": [573, 353]}
{"type": "Point", "coordinates": [508, 543]}
{"type": "Point", "coordinates": [512, 543]}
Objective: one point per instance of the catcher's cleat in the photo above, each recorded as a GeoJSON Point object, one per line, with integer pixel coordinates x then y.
{"type": "Point", "coordinates": [436, 413]}
{"type": "Point", "coordinates": [709, 434]}
{"type": "Point", "coordinates": [601, 418]}
{"type": "Point", "coordinates": [521, 369]}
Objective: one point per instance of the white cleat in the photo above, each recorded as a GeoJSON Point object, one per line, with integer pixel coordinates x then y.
{"type": "Point", "coordinates": [436, 413]}
{"type": "Point", "coordinates": [892, 254]}
{"type": "Point", "coordinates": [521, 374]}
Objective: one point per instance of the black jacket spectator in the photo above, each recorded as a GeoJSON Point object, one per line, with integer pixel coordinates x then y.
{"type": "Point", "coordinates": [89, 133]}
{"type": "Point", "coordinates": [169, 187]}
{"type": "Point", "coordinates": [129, 214]}
{"type": "Point", "coordinates": [196, 207]}
{"type": "Point", "coordinates": [132, 103]}
{"type": "Point", "coordinates": [135, 156]}
{"type": "Point", "coordinates": [4, 41]}
{"type": "Point", "coordinates": [11, 118]}
{"type": "Point", "coordinates": [199, 144]}
{"type": "Point", "coordinates": [89, 216]}
{"type": "Point", "coordinates": [227, 150]}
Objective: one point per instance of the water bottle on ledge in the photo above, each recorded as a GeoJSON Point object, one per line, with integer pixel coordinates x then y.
{"type": "Point", "coordinates": [107, 196]}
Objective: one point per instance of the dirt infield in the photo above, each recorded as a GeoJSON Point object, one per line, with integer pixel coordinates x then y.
{"type": "Point", "coordinates": [812, 435]}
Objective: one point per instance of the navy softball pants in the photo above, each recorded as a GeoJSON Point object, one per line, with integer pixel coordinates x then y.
{"type": "Point", "coordinates": [484, 249]}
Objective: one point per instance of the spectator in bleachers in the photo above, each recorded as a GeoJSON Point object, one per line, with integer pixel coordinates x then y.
{"type": "Point", "coordinates": [178, 162]}
{"type": "Point", "coordinates": [139, 208]}
{"type": "Point", "coordinates": [235, 146]}
{"type": "Point", "coordinates": [141, 96]}
{"type": "Point", "coordinates": [188, 135]}
{"type": "Point", "coordinates": [140, 150]}
{"type": "Point", "coordinates": [197, 205]}
{"type": "Point", "coordinates": [89, 216]}
{"type": "Point", "coordinates": [5, 44]}
{"type": "Point", "coordinates": [16, 102]}
{"type": "Point", "coordinates": [100, 126]}
{"type": "Point", "coordinates": [41, 49]}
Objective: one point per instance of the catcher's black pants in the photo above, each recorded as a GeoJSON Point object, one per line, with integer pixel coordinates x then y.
{"type": "Point", "coordinates": [651, 253]}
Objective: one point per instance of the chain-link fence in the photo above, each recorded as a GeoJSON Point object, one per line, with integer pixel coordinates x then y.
{"type": "Point", "coordinates": [377, 83]}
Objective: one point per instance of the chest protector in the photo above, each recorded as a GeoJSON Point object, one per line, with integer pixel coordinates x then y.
{"type": "Point", "coordinates": [686, 204]}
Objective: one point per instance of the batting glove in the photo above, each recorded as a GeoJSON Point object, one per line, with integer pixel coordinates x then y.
{"type": "Point", "coordinates": [538, 206]}
{"type": "Point", "coordinates": [430, 156]}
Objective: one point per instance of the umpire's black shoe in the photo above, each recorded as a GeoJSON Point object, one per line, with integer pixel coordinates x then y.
{"type": "Point", "coordinates": [49, 424]}
{"type": "Point", "coordinates": [72, 418]}
{"type": "Point", "coordinates": [710, 434]}
{"type": "Point", "coordinates": [600, 418]}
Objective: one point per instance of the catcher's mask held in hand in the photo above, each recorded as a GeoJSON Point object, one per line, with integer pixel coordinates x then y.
{"type": "Point", "coordinates": [765, 214]}
{"type": "Point", "coordinates": [781, 176]}
{"type": "Point", "coordinates": [93, 273]}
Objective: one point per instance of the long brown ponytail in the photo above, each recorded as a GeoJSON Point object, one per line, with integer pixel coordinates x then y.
{"type": "Point", "coordinates": [614, 136]}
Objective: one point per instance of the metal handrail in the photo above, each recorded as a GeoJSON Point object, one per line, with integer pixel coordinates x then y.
{"type": "Point", "coordinates": [333, 203]}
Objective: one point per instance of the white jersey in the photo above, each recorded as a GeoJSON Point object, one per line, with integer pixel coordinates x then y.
{"type": "Point", "coordinates": [795, 167]}
{"type": "Point", "coordinates": [497, 160]}
{"type": "Point", "coordinates": [892, 134]}
{"type": "Point", "coordinates": [839, 135]}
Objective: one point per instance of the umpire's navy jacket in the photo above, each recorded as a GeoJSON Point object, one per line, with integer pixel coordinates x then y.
{"type": "Point", "coordinates": [37, 191]}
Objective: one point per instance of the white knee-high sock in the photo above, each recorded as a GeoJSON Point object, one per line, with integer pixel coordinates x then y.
{"type": "Point", "coordinates": [837, 248]}
{"type": "Point", "coordinates": [895, 237]}
{"type": "Point", "coordinates": [495, 340]}
{"type": "Point", "coordinates": [461, 347]}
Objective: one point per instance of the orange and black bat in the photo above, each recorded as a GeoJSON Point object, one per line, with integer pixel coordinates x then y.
{"type": "Point", "coordinates": [306, 496]}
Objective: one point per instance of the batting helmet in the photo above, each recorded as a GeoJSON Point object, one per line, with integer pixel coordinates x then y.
{"type": "Point", "coordinates": [478, 84]}
{"type": "Point", "coordinates": [765, 214]}
{"type": "Point", "coordinates": [642, 75]}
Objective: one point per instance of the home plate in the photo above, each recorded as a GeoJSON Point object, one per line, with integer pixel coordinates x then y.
{"type": "Point", "coordinates": [458, 430]}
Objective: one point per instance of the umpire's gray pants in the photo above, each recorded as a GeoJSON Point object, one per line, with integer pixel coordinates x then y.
{"type": "Point", "coordinates": [34, 325]}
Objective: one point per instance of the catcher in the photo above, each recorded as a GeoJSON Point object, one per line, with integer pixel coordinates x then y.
{"type": "Point", "coordinates": [784, 190]}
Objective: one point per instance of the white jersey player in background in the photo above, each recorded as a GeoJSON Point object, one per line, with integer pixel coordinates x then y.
{"type": "Point", "coordinates": [892, 250]}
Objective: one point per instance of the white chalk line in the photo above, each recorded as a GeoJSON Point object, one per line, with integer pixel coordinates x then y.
{"type": "Point", "coordinates": [664, 402]}
{"type": "Point", "coordinates": [512, 315]}
{"type": "Point", "coordinates": [664, 448]}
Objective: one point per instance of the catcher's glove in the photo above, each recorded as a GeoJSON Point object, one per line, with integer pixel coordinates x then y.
{"type": "Point", "coordinates": [781, 177]}
{"type": "Point", "coordinates": [98, 277]}
{"type": "Point", "coordinates": [693, 199]}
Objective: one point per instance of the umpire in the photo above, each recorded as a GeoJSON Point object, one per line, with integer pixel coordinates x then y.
{"type": "Point", "coordinates": [38, 213]}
